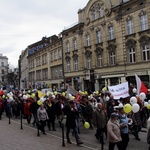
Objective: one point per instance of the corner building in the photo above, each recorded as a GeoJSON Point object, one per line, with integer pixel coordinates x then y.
{"type": "Point", "coordinates": [108, 45]}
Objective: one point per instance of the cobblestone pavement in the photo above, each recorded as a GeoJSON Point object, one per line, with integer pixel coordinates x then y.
{"type": "Point", "coordinates": [13, 138]}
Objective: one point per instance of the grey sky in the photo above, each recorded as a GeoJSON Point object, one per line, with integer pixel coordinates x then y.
{"type": "Point", "coordinates": [24, 22]}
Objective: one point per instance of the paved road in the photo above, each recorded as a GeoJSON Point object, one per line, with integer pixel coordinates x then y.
{"type": "Point", "coordinates": [12, 138]}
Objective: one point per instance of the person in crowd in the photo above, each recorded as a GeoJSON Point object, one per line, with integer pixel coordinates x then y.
{"type": "Point", "coordinates": [50, 108]}
{"type": "Point", "coordinates": [1, 107]}
{"type": "Point", "coordinates": [79, 110]}
{"type": "Point", "coordinates": [100, 121]}
{"type": "Point", "coordinates": [123, 120]}
{"type": "Point", "coordinates": [113, 132]}
{"type": "Point", "coordinates": [27, 110]}
{"type": "Point", "coordinates": [136, 124]}
{"type": "Point", "coordinates": [88, 113]}
{"type": "Point", "coordinates": [110, 107]}
{"type": "Point", "coordinates": [148, 133]}
{"type": "Point", "coordinates": [70, 111]}
{"type": "Point", "coordinates": [42, 117]}
{"type": "Point", "coordinates": [33, 108]}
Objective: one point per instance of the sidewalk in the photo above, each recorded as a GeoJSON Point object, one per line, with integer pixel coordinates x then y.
{"type": "Point", "coordinates": [13, 138]}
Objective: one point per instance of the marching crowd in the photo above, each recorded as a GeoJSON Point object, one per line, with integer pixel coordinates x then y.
{"type": "Point", "coordinates": [100, 111]}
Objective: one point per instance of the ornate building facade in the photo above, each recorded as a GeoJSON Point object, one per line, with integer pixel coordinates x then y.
{"type": "Point", "coordinates": [112, 41]}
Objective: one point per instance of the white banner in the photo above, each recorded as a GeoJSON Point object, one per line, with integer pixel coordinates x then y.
{"type": "Point", "coordinates": [120, 90]}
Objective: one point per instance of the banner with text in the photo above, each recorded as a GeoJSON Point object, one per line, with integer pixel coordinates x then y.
{"type": "Point", "coordinates": [120, 90]}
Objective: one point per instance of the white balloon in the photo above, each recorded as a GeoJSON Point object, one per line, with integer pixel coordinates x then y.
{"type": "Point", "coordinates": [70, 95]}
{"type": "Point", "coordinates": [120, 105]}
{"type": "Point", "coordinates": [42, 99]}
{"type": "Point", "coordinates": [25, 97]}
{"type": "Point", "coordinates": [107, 98]}
{"type": "Point", "coordinates": [134, 90]}
{"type": "Point", "coordinates": [53, 96]}
{"type": "Point", "coordinates": [146, 103]}
{"type": "Point", "coordinates": [133, 100]}
{"type": "Point", "coordinates": [142, 95]}
{"type": "Point", "coordinates": [135, 108]}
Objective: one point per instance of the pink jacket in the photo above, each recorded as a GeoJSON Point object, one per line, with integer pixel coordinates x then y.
{"type": "Point", "coordinates": [113, 132]}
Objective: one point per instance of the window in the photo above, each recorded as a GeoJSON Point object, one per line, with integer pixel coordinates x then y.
{"type": "Point", "coordinates": [88, 62]}
{"type": "Point", "coordinates": [98, 36]}
{"type": "Point", "coordinates": [100, 12]}
{"type": "Point", "coordinates": [131, 55]}
{"type": "Point", "coordinates": [60, 72]}
{"type": "Point", "coordinates": [112, 58]}
{"type": "Point", "coordinates": [74, 44]}
{"type": "Point", "coordinates": [143, 22]}
{"type": "Point", "coordinates": [146, 52]}
{"type": "Point", "coordinates": [2, 64]}
{"type": "Point", "coordinates": [111, 32]}
{"type": "Point", "coordinates": [130, 28]}
{"type": "Point", "coordinates": [45, 73]}
{"type": "Point", "coordinates": [99, 60]}
{"type": "Point", "coordinates": [3, 72]}
{"type": "Point", "coordinates": [67, 47]}
{"type": "Point", "coordinates": [55, 54]}
{"type": "Point", "coordinates": [56, 73]}
{"type": "Point", "coordinates": [59, 53]}
{"type": "Point", "coordinates": [94, 15]}
{"type": "Point", "coordinates": [53, 74]}
{"type": "Point", "coordinates": [68, 66]}
{"type": "Point", "coordinates": [87, 40]}
{"type": "Point", "coordinates": [44, 59]}
{"type": "Point", "coordinates": [75, 64]}
{"type": "Point", "coordinates": [51, 56]}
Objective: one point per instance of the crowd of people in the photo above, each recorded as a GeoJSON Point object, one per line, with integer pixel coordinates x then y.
{"type": "Point", "coordinates": [100, 110]}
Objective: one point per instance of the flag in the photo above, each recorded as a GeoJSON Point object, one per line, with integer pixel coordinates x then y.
{"type": "Point", "coordinates": [140, 86]}
{"type": "Point", "coordinates": [71, 91]}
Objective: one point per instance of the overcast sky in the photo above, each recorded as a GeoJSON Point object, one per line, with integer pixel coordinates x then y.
{"type": "Point", "coordinates": [24, 22]}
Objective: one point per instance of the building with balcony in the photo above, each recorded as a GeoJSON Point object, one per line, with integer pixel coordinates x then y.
{"type": "Point", "coordinates": [108, 45]}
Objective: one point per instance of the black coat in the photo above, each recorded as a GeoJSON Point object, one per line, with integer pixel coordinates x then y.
{"type": "Point", "coordinates": [51, 111]}
{"type": "Point", "coordinates": [71, 116]}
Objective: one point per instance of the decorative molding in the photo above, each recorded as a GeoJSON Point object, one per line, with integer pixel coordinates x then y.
{"type": "Point", "coordinates": [130, 43]}
{"type": "Point", "coordinates": [88, 53]}
{"type": "Point", "coordinates": [144, 40]}
{"type": "Point", "coordinates": [142, 13]}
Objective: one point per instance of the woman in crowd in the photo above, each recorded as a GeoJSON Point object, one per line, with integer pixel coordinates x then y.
{"type": "Point", "coordinates": [113, 132]}
{"type": "Point", "coordinates": [42, 117]}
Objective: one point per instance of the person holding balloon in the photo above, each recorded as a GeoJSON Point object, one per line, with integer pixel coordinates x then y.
{"type": "Point", "coordinates": [136, 124]}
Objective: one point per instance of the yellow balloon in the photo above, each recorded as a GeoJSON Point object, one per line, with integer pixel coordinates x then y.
{"type": "Point", "coordinates": [55, 93]}
{"type": "Point", "coordinates": [86, 125]}
{"type": "Point", "coordinates": [86, 93]}
{"type": "Point", "coordinates": [127, 108]}
{"type": "Point", "coordinates": [33, 95]}
{"type": "Point", "coordinates": [63, 94]}
{"type": "Point", "coordinates": [148, 106]}
{"type": "Point", "coordinates": [39, 102]}
{"type": "Point", "coordinates": [3, 96]}
{"type": "Point", "coordinates": [97, 92]}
